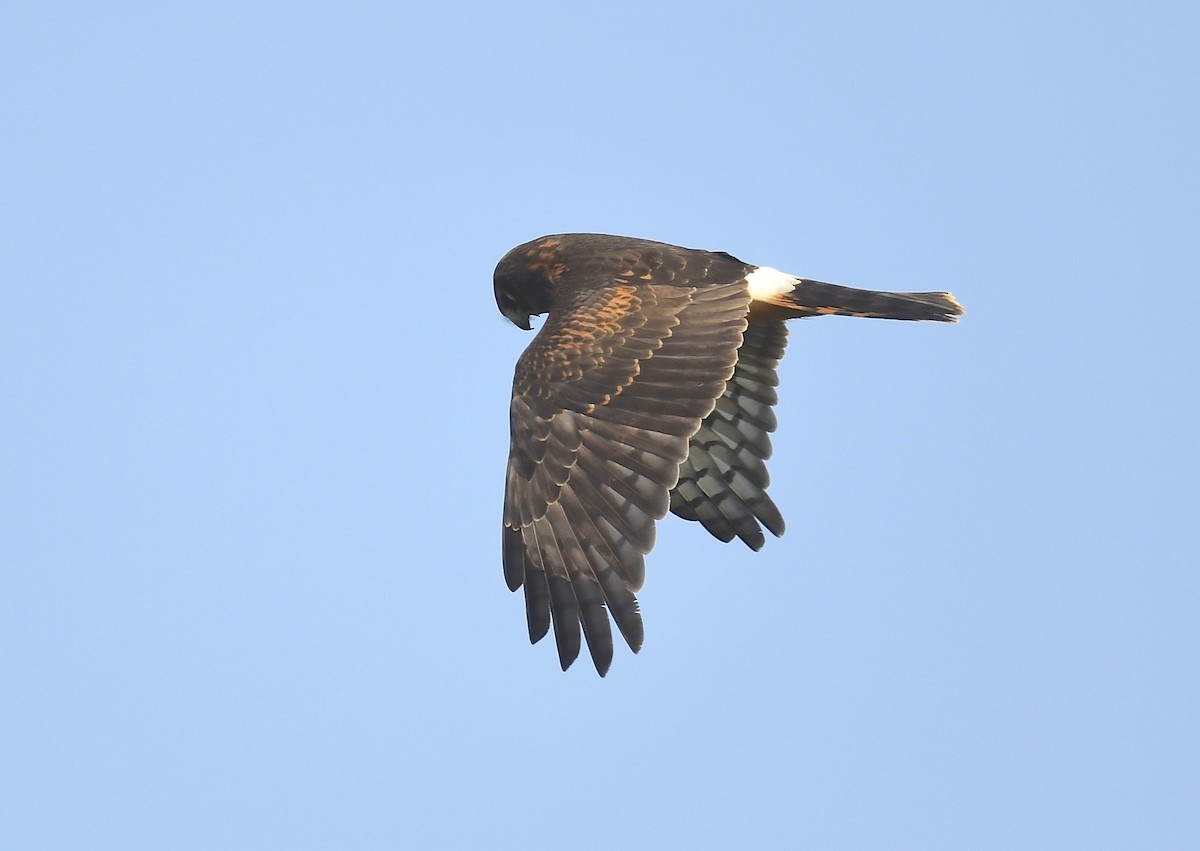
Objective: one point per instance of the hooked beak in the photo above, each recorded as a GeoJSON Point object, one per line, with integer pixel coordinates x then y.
{"type": "Point", "coordinates": [521, 320]}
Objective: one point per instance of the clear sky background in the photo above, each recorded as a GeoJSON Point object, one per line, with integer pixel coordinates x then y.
{"type": "Point", "coordinates": [254, 425]}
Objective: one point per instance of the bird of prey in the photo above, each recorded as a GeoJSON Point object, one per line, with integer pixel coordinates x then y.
{"type": "Point", "coordinates": [648, 388]}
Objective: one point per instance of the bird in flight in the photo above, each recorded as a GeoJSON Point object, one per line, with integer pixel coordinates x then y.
{"type": "Point", "coordinates": [649, 388]}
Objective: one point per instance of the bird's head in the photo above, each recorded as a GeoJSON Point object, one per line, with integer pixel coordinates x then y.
{"type": "Point", "coordinates": [525, 278]}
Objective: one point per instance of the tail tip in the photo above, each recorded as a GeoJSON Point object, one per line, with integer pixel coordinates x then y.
{"type": "Point", "coordinates": [951, 309]}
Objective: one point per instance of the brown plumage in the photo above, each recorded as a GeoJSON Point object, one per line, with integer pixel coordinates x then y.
{"type": "Point", "coordinates": [650, 387]}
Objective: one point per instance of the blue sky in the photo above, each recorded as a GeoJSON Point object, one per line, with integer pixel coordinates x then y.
{"type": "Point", "coordinates": [255, 424]}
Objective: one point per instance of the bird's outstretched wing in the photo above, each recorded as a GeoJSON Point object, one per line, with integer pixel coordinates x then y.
{"type": "Point", "coordinates": [723, 482]}
{"type": "Point", "coordinates": [605, 400]}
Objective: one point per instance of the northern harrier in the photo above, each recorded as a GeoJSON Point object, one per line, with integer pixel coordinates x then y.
{"type": "Point", "coordinates": [649, 387]}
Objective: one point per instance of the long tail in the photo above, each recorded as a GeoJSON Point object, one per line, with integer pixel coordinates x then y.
{"type": "Point", "coordinates": [804, 297]}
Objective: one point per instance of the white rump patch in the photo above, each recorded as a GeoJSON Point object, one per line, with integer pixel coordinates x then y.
{"type": "Point", "coordinates": [766, 283]}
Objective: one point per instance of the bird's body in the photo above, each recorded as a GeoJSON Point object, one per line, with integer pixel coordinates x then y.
{"type": "Point", "coordinates": [650, 387]}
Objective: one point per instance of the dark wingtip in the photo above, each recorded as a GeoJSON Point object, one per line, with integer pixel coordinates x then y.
{"type": "Point", "coordinates": [754, 540]}
{"type": "Point", "coordinates": [537, 630]}
{"type": "Point", "coordinates": [513, 558]}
